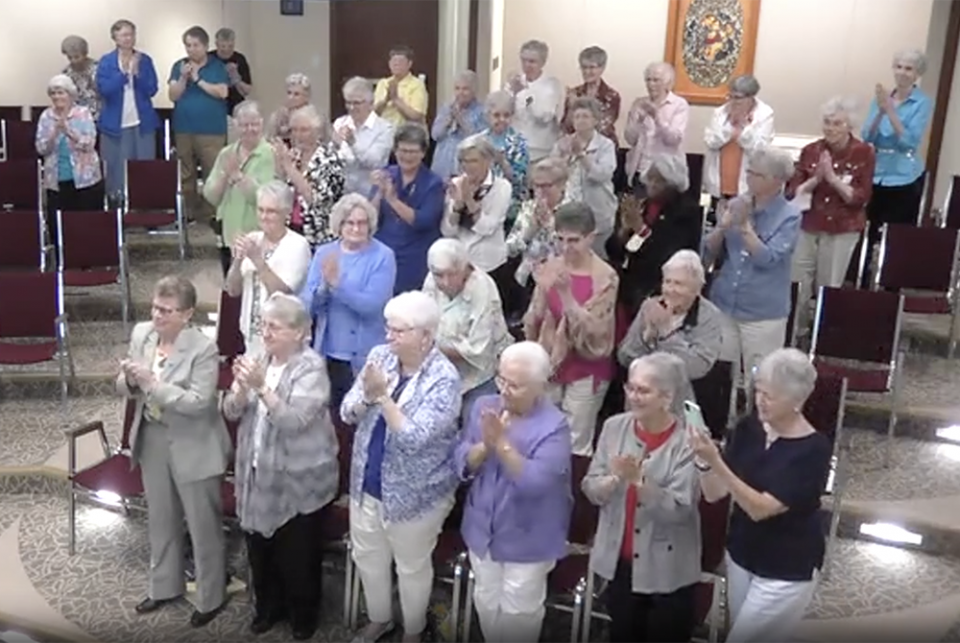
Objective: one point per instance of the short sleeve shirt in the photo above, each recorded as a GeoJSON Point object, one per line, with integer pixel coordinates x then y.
{"type": "Point", "coordinates": [197, 112]}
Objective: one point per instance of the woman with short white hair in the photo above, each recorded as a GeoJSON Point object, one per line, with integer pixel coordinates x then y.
{"type": "Point", "coordinates": [366, 139]}
{"type": "Point", "coordinates": [455, 121]}
{"type": "Point", "coordinates": [472, 330]}
{"type": "Point", "coordinates": [538, 99]}
{"type": "Point", "coordinates": [298, 95]}
{"type": "Point", "coordinates": [775, 469]}
{"type": "Point", "coordinates": [656, 123]}
{"type": "Point", "coordinates": [269, 260]}
{"type": "Point", "coordinates": [67, 140]}
{"type": "Point", "coordinates": [312, 165]}
{"type": "Point", "coordinates": [512, 157]}
{"type": "Point", "coordinates": [515, 457]}
{"type": "Point", "coordinates": [643, 478]}
{"type": "Point", "coordinates": [405, 404]}
{"type": "Point", "coordinates": [832, 185]}
{"type": "Point", "coordinates": [82, 70]}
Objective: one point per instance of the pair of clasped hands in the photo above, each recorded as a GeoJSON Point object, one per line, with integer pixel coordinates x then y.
{"type": "Point", "coordinates": [736, 213]}
{"type": "Point", "coordinates": [138, 374]}
{"type": "Point", "coordinates": [248, 375]}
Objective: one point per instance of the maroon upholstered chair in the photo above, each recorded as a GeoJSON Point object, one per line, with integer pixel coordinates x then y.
{"type": "Point", "coordinates": [153, 199]}
{"type": "Point", "coordinates": [20, 187]}
{"type": "Point", "coordinates": [11, 113]}
{"type": "Point", "coordinates": [19, 140]}
{"type": "Point", "coordinates": [336, 526]}
{"type": "Point", "coordinates": [713, 392]}
{"type": "Point", "coordinates": [22, 243]}
{"type": "Point", "coordinates": [856, 336]}
{"type": "Point", "coordinates": [790, 337]}
{"type": "Point", "coordinates": [92, 253]}
{"type": "Point", "coordinates": [710, 591]}
{"type": "Point", "coordinates": [112, 480]}
{"type": "Point", "coordinates": [229, 338]}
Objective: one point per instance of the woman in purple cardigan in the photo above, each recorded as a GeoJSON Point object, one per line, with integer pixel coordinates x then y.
{"type": "Point", "coordinates": [516, 453]}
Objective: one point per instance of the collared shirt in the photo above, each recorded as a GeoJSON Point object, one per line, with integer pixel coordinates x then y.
{"type": "Point", "coordinates": [234, 97]}
{"type": "Point", "coordinates": [410, 241]}
{"type": "Point", "coordinates": [756, 134]}
{"type": "Point", "coordinates": [648, 135]}
{"type": "Point", "coordinates": [513, 146]}
{"type": "Point", "coordinates": [411, 91]}
{"type": "Point", "coordinates": [196, 111]}
{"type": "Point", "coordinates": [519, 518]}
{"type": "Point", "coordinates": [372, 142]}
{"type": "Point", "coordinates": [828, 213]}
{"type": "Point", "coordinates": [472, 324]}
{"type": "Point", "coordinates": [448, 134]}
{"type": "Point", "coordinates": [538, 109]}
{"type": "Point", "coordinates": [898, 157]}
{"type": "Point", "coordinates": [609, 100]}
{"type": "Point", "coordinates": [756, 286]}
{"type": "Point", "coordinates": [482, 234]}
{"type": "Point", "coordinates": [237, 208]}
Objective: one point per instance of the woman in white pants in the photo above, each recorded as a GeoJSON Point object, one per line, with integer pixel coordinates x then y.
{"type": "Point", "coordinates": [405, 403]}
{"type": "Point", "coordinates": [775, 469]}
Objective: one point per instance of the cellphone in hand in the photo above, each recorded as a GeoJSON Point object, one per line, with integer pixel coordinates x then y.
{"type": "Point", "coordinates": [693, 416]}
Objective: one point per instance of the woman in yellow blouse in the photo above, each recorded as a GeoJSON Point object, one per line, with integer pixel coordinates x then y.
{"type": "Point", "coordinates": [241, 168]}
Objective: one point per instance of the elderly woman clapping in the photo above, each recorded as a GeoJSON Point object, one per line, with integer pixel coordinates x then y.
{"type": "Point", "coordinates": [515, 454]}
{"type": "Point", "coordinates": [272, 259]}
{"type": "Point", "coordinates": [365, 138]}
{"type": "Point", "coordinates": [774, 468]}
{"type": "Point", "coordinates": [315, 169]}
{"type": "Point", "coordinates": [298, 95]}
{"type": "Point", "coordinates": [644, 480]}
{"type": "Point", "coordinates": [286, 470]}
{"type": "Point", "coordinates": [834, 181]}
{"type": "Point", "coordinates": [472, 331]}
{"type": "Point", "coordinates": [455, 121]}
{"type": "Point", "coordinates": [656, 123]}
{"type": "Point", "coordinates": [82, 70]}
{"type": "Point", "coordinates": [405, 402]}
{"type": "Point", "coordinates": [512, 157]}
{"type": "Point", "coordinates": [239, 170]}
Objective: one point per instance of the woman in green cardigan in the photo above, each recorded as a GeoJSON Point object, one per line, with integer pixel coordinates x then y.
{"type": "Point", "coordinates": [241, 168]}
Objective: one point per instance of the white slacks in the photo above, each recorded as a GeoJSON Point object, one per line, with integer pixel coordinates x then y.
{"type": "Point", "coordinates": [581, 404]}
{"type": "Point", "coordinates": [509, 598]}
{"type": "Point", "coordinates": [764, 609]}
{"type": "Point", "coordinates": [749, 342]}
{"type": "Point", "coordinates": [378, 543]}
{"type": "Point", "coordinates": [820, 260]}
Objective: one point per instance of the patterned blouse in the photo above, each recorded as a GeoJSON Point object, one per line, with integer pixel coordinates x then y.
{"type": "Point", "coordinates": [609, 100]}
{"type": "Point", "coordinates": [536, 243]}
{"type": "Point", "coordinates": [86, 82]}
{"type": "Point", "coordinates": [83, 148]}
{"type": "Point", "coordinates": [325, 173]}
{"type": "Point", "coordinates": [418, 471]}
{"type": "Point", "coordinates": [514, 148]}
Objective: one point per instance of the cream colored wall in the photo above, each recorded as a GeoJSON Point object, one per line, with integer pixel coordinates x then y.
{"type": "Point", "coordinates": [807, 50]}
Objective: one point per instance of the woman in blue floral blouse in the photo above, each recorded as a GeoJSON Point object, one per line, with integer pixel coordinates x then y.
{"type": "Point", "coordinates": [455, 121]}
{"type": "Point", "coordinates": [512, 155]}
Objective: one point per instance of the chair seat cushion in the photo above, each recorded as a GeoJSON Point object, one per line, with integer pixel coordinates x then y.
{"type": "Point", "coordinates": [336, 522]}
{"type": "Point", "coordinates": [228, 498]}
{"type": "Point", "coordinates": [449, 546]}
{"type": "Point", "coordinates": [148, 219]}
{"type": "Point", "coordinates": [225, 379]}
{"type": "Point", "coordinates": [703, 601]}
{"type": "Point", "coordinates": [35, 353]}
{"type": "Point", "coordinates": [567, 574]}
{"type": "Point", "coordinates": [91, 277]}
{"type": "Point", "coordinates": [937, 305]}
{"type": "Point", "coordinates": [113, 474]}
{"type": "Point", "coordinates": [860, 380]}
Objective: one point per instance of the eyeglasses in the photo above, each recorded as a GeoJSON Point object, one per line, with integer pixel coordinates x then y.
{"type": "Point", "coordinates": [164, 311]}
{"type": "Point", "coordinates": [393, 331]}
{"type": "Point", "coordinates": [506, 385]}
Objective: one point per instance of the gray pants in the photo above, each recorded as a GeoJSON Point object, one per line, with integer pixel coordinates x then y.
{"type": "Point", "coordinates": [169, 502]}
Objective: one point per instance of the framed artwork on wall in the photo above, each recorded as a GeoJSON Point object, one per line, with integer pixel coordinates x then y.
{"type": "Point", "coordinates": [291, 7]}
{"type": "Point", "coordinates": [710, 42]}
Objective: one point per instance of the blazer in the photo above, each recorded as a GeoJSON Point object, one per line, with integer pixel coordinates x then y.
{"type": "Point", "coordinates": [297, 469]}
{"type": "Point", "coordinates": [186, 395]}
{"type": "Point", "coordinates": [666, 541]}
{"type": "Point", "coordinates": [111, 83]}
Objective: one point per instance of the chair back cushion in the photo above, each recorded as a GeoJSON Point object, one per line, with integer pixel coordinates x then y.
{"type": "Point", "coordinates": [583, 521]}
{"type": "Point", "coordinates": [20, 242]}
{"type": "Point", "coordinates": [20, 141]}
{"type": "Point", "coordinates": [152, 185]}
{"type": "Point", "coordinates": [714, 518]}
{"type": "Point", "coordinates": [713, 395]}
{"type": "Point", "coordinates": [28, 304]}
{"type": "Point", "coordinates": [229, 338]}
{"type": "Point", "coordinates": [917, 258]}
{"type": "Point", "coordinates": [20, 184]}
{"type": "Point", "coordinates": [824, 406]}
{"type": "Point", "coordinates": [857, 325]}
{"type": "Point", "coordinates": [89, 240]}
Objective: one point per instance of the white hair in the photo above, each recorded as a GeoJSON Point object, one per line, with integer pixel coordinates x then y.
{"type": "Point", "coordinates": [248, 109]}
{"type": "Point", "coordinates": [62, 81]}
{"type": "Point", "coordinates": [358, 88]}
{"type": "Point", "coordinates": [309, 114]}
{"type": "Point", "coordinates": [668, 375]}
{"type": "Point", "coordinates": [279, 192]}
{"type": "Point", "coordinates": [447, 254]}
{"type": "Point", "coordinates": [347, 204]}
{"type": "Point", "coordinates": [533, 356]}
{"type": "Point", "coordinates": [538, 47]}
{"type": "Point", "coordinates": [772, 162]}
{"type": "Point", "coordinates": [298, 80]}
{"type": "Point", "coordinates": [673, 169]}
{"type": "Point", "coordinates": [662, 66]}
{"type": "Point", "coordinates": [913, 57]}
{"type": "Point", "coordinates": [415, 309]}
{"type": "Point", "coordinates": [687, 261]}
{"type": "Point", "coordinates": [790, 373]}
{"type": "Point", "coordinates": [500, 100]}
{"type": "Point", "coordinates": [476, 143]}
{"type": "Point", "coordinates": [554, 167]}
{"type": "Point", "coordinates": [288, 310]}
{"type": "Point", "coordinates": [747, 85]}
{"type": "Point", "coordinates": [845, 106]}
{"type": "Point", "coordinates": [469, 77]}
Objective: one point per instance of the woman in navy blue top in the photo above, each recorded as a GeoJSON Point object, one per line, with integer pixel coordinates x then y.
{"type": "Point", "coordinates": [774, 467]}
{"type": "Point", "coordinates": [410, 198]}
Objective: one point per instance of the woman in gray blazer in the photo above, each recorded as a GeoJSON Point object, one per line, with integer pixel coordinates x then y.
{"type": "Point", "coordinates": [286, 470]}
{"type": "Point", "coordinates": [643, 478]}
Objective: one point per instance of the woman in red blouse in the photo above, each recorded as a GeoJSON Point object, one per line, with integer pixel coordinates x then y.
{"type": "Point", "coordinates": [832, 184]}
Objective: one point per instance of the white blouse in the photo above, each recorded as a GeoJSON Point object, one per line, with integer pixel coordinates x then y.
{"type": "Point", "coordinates": [484, 239]}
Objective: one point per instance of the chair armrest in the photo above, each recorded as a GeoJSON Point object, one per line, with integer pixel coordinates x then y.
{"type": "Point", "coordinates": [75, 432]}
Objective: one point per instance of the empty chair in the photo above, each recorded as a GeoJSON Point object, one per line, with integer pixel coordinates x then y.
{"type": "Point", "coordinates": [230, 342]}
{"type": "Point", "coordinates": [22, 240]}
{"type": "Point", "coordinates": [20, 185]}
{"type": "Point", "coordinates": [153, 199]}
{"type": "Point", "coordinates": [11, 113]}
{"type": "Point", "coordinates": [951, 208]}
{"type": "Point", "coordinates": [18, 140]}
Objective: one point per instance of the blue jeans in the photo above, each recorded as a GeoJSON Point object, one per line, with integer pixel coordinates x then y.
{"type": "Point", "coordinates": [470, 397]}
{"type": "Point", "coordinates": [131, 145]}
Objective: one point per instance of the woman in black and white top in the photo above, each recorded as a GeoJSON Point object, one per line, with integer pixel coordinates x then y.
{"type": "Point", "coordinates": [775, 469]}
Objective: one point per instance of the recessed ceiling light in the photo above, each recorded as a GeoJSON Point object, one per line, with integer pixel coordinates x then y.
{"type": "Point", "coordinates": [890, 533]}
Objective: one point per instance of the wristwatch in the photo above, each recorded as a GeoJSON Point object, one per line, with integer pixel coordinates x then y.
{"type": "Point", "coordinates": [701, 466]}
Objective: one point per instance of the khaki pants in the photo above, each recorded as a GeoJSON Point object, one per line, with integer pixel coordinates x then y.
{"type": "Point", "coordinates": [580, 401]}
{"type": "Point", "coordinates": [509, 598]}
{"type": "Point", "coordinates": [820, 260]}
{"type": "Point", "coordinates": [749, 342]}
{"type": "Point", "coordinates": [197, 150]}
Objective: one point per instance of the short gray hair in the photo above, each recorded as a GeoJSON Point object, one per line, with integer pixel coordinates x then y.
{"type": "Point", "coordinates": [358, 88]}
{"type": "Point", "coordinates": [288, 310]}
{"type": "Point", "coordinates": [574, 216]}
{"type": "Point", "coordinates": [280, 192]}
{"type": "Point", "coordinates": [672, 168]}
{"type": "Point", "coordinates": [225, 34]}
{"type": "Point", "coordinates": [539, 47]}
{"type": "Point", "coordinates": [846, 106]}
{"type": "Point", "coordinates": [478, 143]}
{"type": "Point", "coordinates": [789, 372]}
{"type": "Point", "coordinates": [468, 76]}
{"type": "Point", "coordinates": [533, 356]}
{"type": "Point", "coordinates": [298, 80]}
{"type": "Point", "coordinates": [687, 261]}
{"type": "Point", "coordinates": [746, 84]}
{"type": "Point", "coordinates": [586, 102]}
{"type": "Point", "coordinates": [64, 82]}
{"type": "Point", "coordinates": [74, 45]}
{"type": "Point", "coordinates": [120, 24]}
{"type": "Point", "coordinates": [667, 374]}
{"type": "Point", "coordinates": [772, 162]}
{"type": "Point", "coordinates": [914, 57]}
{"type": "Point", "coordinates": [411, 133]}
{"type": "Point", "coordinates": [415, 308]}
{"type": "Point", "coordinates": [447, 254]}
{"type": "Point", "coordinates": [347, 204]}
{"type": "Point", "coordinates": [499, 100]}
{"type": "Point", "coordinates": [594, 56]}
{"type": "Point", "coordinates": [313, 118]}
{"type": "Point", "coordinates": [556, 168]}
{"type": "Point", "coordinates": [663, 66]}
{"type": "Point", "coordinates": [177, 287]}
{"type": "Point", "coordinates": [248, 108]}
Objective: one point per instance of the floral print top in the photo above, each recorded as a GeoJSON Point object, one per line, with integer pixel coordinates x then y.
{"type": "Point", "coordinates": [533, 241]}
{"type": "Point", "coordinates": [609, 100]}
{"type": "Point", "coordinates": [514, 148]}
{"type": "Point", "coordinates": [86, 82]}
{"type": "Point", "coordinates": [326, 174]}
{"type": "Point", "coordinates": [82, 145]}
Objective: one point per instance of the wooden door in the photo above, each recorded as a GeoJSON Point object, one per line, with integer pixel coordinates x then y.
{"type": "Point", "coordinates": [362, 33]}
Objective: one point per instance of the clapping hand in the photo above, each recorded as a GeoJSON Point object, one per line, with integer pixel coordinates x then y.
{"type": "Point", "coordinates": [142, 376]}
{"type": "Point", "coordinates": [551, 273]}
{"type": "Point", "coordinates": [565, 145]}
{"type": "Point", "coordinates": [374, 382]}
{"type": "Point", "coordinates": [186, 71]}
{"type": "Point", "coordinates": [330, 269]}
{"type": "Point", "coordinates": [135, 64]}
{"type": "Point", "coordinates": [647, 108]}
{"type": "Point", "coordinates": [655, 316]}
{"type": "Point", "coordinates": [515, 82]}
{"type": "Point", "coordinates": [627, 468]}
{"type": "Point", "coordinates": [883, 96]}
{"type": "Point", "coordinates": [825, 169]}
{"type": "Point", "coordinates": [194, 73]}
{"type": "Point", "coordinates": [493, 425]}
{"type": "Point", "coordinates": [251, 374]}
{"type": "Point", "coordinates": [346, 134]}
{"type": "Point", "coordinates": [393, 89]}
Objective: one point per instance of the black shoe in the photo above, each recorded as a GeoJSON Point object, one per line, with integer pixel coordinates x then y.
{"type": "Point", "coordinates": [264, 623]}
{"type": "Point", "coordinates": [148, 605]}
{"type": "Point", "coordinates": [199, 619]}
{"type": "Point", "coordinates": [303, 632]}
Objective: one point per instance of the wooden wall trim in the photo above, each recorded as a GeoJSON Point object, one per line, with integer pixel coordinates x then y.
{"type": "Point", "coordinates": [942, 105]}
{"type": "Point", "coordinates": [474, 21]}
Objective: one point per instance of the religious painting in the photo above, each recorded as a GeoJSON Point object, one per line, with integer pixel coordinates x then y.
{"type": "Point", "coordinates": [710, 42]}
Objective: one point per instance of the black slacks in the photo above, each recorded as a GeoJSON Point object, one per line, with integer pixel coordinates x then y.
{"type": "Point", "coordinates": [68, 198]}
{"type": "Point", "coordinates": [340, 373]}
{"type": "Point", "coordinates": [648, 618]}
{"type": "Point", "coordinates": [286, 571]}
{"type": "Point", "coordinates": [888, 204]}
